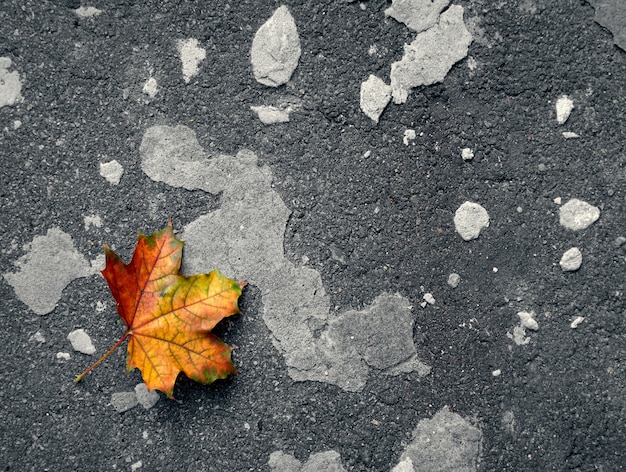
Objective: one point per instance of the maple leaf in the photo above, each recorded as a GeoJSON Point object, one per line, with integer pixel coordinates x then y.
{"type": "Point", "coordinates": [169, 316]}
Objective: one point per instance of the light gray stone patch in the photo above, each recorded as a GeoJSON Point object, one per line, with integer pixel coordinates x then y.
{"type": "Point", "coordinates": [405, 465]}
{"type": "Point", "coordinates": [570, 135]}
{"type": "Point", "coordinates": [612, 15]}
{"type": "Point", "coordinates": [112, 171]}
{"type": "Point", "coordinates": [470, 219]}
{"type": "Point", "coordinates": [409, 136]}
{"type": "Point", "coordinates": [375, 96]}
{"type": "Point", "coordinates": [564, 106]}
{"type": "Point", "coordinates": [577, 214]}
{"type": "Point", "coordinates": [576, 321]}
{"type": "Point", "coordinates": [10, 85]}
{"type": "Point", "coordinates": [418, 15]}
{"type": "Point", "coordinates": [327, 461]}
{"type": "Point", "coordinates": [92, 220]}
{"type": "Point", "coordinates": [276, 49]}
{"type": "Point", "coordinates": [269, 115]}
{"type": "Point", "coordinates": [38, 337]}
{"type": "Point", "coordinates": [445, 443]}
{"type": "Point", "coordinates": [281, 462]}
{"type": "Point", "coordinates": [150, 87]}
{"type": "Point", "coordinates": [81, 342]}
{"type": "Point", "coordinates": [429, 58]}
{"type": "Point", "coordinates": [50, 264]}
{"type": "Point", "coordinates": [467, 154]}
{"type": "Point", "coordinates": [527, 320]}
{"type": "Point", "coordinates": [191, 55]}
{"type": "Point", "coordinates": [244, 239]}
{"type": "Point", "coordinates": [146, 398]}
{"type": "Point", "coordinates": [124, 401]}
{"type": "Point", "coordinates": [85, 12]}
{"type": "Point", "coordinates": [454, 280]}
{"type": "Point", "coordinates": [571, 260]}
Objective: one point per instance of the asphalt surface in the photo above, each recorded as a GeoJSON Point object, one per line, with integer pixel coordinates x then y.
{"type": "Point", "coordinates": [382, 327]}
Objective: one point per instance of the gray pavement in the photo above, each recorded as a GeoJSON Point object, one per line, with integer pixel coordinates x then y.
{"type": "Point", "coordinates": [427, 200]}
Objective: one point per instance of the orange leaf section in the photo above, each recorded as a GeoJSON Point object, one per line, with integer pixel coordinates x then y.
{"type": "Point", "coordinates": [169, 316]}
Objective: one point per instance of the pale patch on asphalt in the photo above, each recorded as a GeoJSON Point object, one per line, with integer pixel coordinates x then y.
{"type": "Point", "coordinates": [564, 106]}
{"type": "Point", "coordinates": [112, 171]}
{"type": "Point", "coordinates": [470, 219]}
{"type": "Point", "coordinates": [269, 115]}
{"type": "Point", "coordinates": [375, 96]}
{"type": "Point", "coordinates": [86, 12]}
{"type": "Point", "coordinates": [327, 461]}
{"type": "Point", "coordinates": [527, 321]}
{"type": "Point", "coordinates": [429, 58]}
{"type": "Point", "coordinates": [124, 401]}
{"type": "Point", "coordinates": [50, 264]}
{"type": "Point", "coordinates": [418, 15]}
{"type": "Point", "coordinates": [275, 49]}
{"type": "Point", "coordinates": [10, 85]}
{"type": "Point", "coordinates": [244, 238]}
{"type": "Point", "coordinates": [612, 15]}
{"type": "Point", "coordinates": [92, 220]}
{"type": "Point", "coordinates": [81, 342]}
{"type": "Point", "coordinates": [445, 443]}
{"type": "Point", "coordinates": [571, 260]}
{"type": "Point", "coordinates": [577, 214]}
{"type": "Point", "coordinates": [191, 55]}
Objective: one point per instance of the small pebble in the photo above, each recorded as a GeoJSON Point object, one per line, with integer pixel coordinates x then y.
{"type": "Point", "coordinates": [409, 135]}
{"type": "Point", "coordinates": [81, 341]}
{"type": "Point", "coordinates": [557, 200]}
{"type": "Point", "coordinates": [564, 106]}
{"type": "Point", "coordinates": [453, 280]}
{"type": "Point", "coordinates": [112, 171]}
{"type": "Point", "coordinates": [65, 356]}
{"type": "Point", "coordinates": [570, 135]}
{"type": "Point", "coordinates": [577, 215]}
{"type": "Point", "coordinates": [428, 298]}
{"type": "Point", "coordinates": [467, 154]}
{"type": "Point", "coordinates": [528, 320]}
{"type": "Point", "coordinates": [151, 87]}
{"type": "Point", "coordinates": [571, 260]}
{"type": "Point", "coordinates": [38, 337]}
{"type": "Point", "coordinates": [576, 321]}
{"type": "Point", "coordinates": [469, 219]}
{"type": "Point", "coordinates": [496, 373]}
{"type": "Point", "coordinates": [136, 466]}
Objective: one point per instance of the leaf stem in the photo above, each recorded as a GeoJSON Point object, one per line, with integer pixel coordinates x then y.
{"type": "Point", "coordinates": [105, 355]}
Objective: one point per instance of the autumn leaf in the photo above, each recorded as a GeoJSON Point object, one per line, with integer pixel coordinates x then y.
{"type": "Point", "coordinates": [169, 316]}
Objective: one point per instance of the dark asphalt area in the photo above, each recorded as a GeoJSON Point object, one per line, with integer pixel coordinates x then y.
{"type": "Point", "coordinates": [368, 211]}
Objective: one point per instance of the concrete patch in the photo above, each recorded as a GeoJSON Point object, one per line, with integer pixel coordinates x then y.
{"type": "Point", "coordinates": [612, 15]}
{"type": "Point", "coordinates": [446, 442]}
{"type": "Point", "coordinates": [418, 15]}
{"type": "Point", "coordinates": [327, 461]}
{"type": "Point", "coordinates": [10, 85]}
{"type": "Point", "coordinates": [191, 55]}
{"type": "Point", "coordinates": [246, 242]}
{"type": "Point", "coordinates": [51, 263]}
{"type": "Point", "coordinates": [375, 96]}
{"type": "Point", "coordinates": [429, 58]}
{"type": "Point", "coordinates": [276, 49]}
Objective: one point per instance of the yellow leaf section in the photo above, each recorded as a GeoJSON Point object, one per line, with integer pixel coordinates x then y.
{"type": "Point", "coordinates": [169, 316]}
{"type": "Point", "coordinates": [171, 333]}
